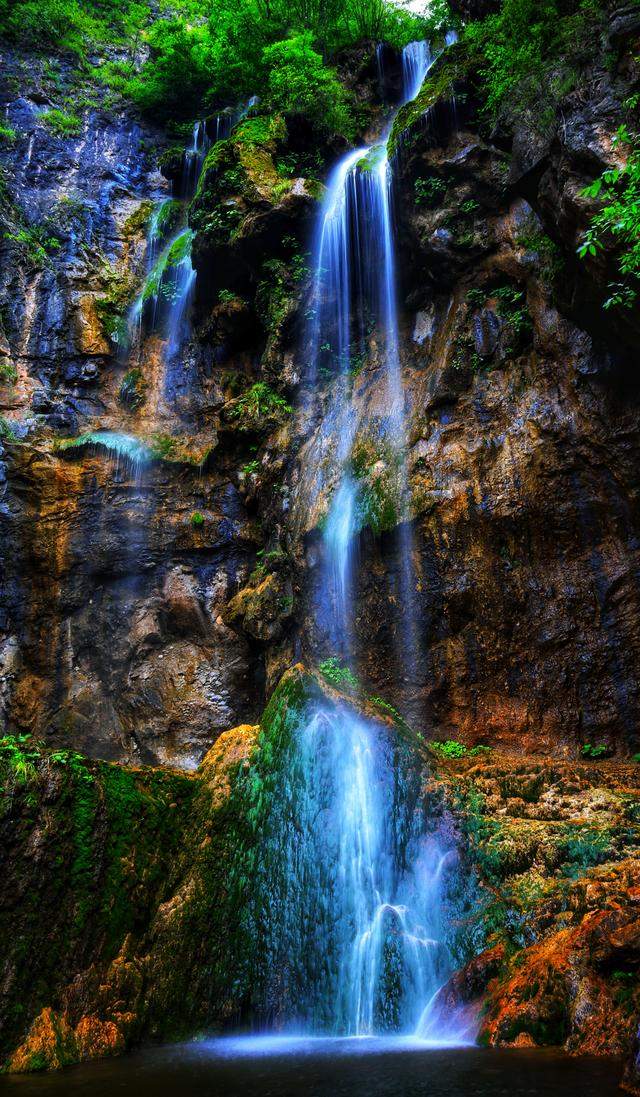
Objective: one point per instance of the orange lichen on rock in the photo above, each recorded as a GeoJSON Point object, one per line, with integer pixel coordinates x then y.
{"type": "Point", "coordinates": [232, 749]}
{"type": "Point", "coordinates": [52, 1042]}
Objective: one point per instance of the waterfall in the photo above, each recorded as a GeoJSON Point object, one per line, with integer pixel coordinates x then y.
{"type": "Point", "coordinates": [417, 59]}
{"type": "Point", "coordinates": [163, 306]}
{"type": "Point", "coordinates": [352, 883]}
{"type": "Point", "coordinates": [350, 887]}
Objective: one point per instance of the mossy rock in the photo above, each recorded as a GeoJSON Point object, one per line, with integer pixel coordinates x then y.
{"type": "Point", "coordinates": [438, 88]}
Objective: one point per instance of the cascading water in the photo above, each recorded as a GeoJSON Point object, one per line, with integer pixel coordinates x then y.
{"type": "Point", "coordinates": [416, 62]}
{"type": "Point", "coordinates": [351, 882]}
{"type": "Point", "coordinates": [354, 290]}
{"type": "Point", "coordinates": [349, 890]}
{"type": "Point", "coordinates": [162, 309]}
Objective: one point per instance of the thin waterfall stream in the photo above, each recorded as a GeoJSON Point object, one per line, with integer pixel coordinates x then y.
{"type": "Point", "coordinates": [352, 876]}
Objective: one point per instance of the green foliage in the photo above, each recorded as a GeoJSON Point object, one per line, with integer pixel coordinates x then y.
{"type": "Point", "coordinates": [512, 307]}
{"type": "Point", "coordinates": [635, 757]}
{"type": "Point", "coordinates": [476, 298]}
{"type": "Point", "coordinates": [61, 123]}
{"type": "Point", "coordinates": [8, 372]}
{"type": "Point", "coordinates": [174, 80]}
{"type": "Point", "coordinates": [72, 26]}
{"type": "Point", "coordinates": [36, 242]}
{"type": "Point", "coordinates": [429, 190]}
{"type": "Point", "coordinates": [7, 134]}
{"type": "Point", "coordinates": [594, 751]}
{"type": "Point", "coordinates": [7, 433]}
{"type": "Point", "coordinates": [132, 389]}
{"type": "Point", "coordinates": [259, 403]}
{"type": "Point", "coordinates": [163, 446]}
{"type": "Point", "coordinates": [449, 749]}
{"type": "Point", "coordinates": [526, 54]}
{"type": "Point", "coordinates": [197, 519]}
{"type": "Point", "coordinates": [618, 221]}
{"type": "Point", "coordinates": [549, 254]}
{"type": "Point", "coordinates": [337, 674]}
{"type": "Point", "coordinates": [19, 755]}
{"type": "Point", "coordinates": [300, 82]}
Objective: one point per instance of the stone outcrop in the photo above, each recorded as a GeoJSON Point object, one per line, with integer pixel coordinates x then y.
{"type": "Point", "coordinates": [556, 849]}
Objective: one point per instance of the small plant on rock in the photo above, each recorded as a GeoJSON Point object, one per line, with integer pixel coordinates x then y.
{"type": "Point", "coordinates": [258, 403]}
{"type": "Point", "coordinates": [337, 674]}
{"type": "Point", "coordinates": [8, 372]}
{"type": "Point", "coordinates": [594, 751]}
{"type": "Point", "coordinates": [62, 124]}
{"type": "Point", "coordinates": [451, 748]}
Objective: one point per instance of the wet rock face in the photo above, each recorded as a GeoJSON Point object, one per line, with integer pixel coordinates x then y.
{"type": "Point", "coordinates": [113, 595]}
{"type": "Point", "coordinates": [523, 459]}
{"type": "Point", "coordinates": [555, 846]}
{"type": "Point", "coordinates": [74, 197]}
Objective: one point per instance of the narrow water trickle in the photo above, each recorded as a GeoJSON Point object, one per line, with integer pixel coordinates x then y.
{"type": "Point", "coordinates": [351, 881]}
{"type": "Point", "coordinates": [163, 307]}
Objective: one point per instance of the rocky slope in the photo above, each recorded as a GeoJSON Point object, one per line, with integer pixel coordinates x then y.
{"type": "Point", "coordinates": [547, 918]}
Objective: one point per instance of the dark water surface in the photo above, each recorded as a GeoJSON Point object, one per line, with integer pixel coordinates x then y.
{"type": "Point", "coordinates": [247, 1067]}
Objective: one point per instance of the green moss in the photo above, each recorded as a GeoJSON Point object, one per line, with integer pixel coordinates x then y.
{"type": "Point", "coordinates": [138, 222]}
{"type": "Point", "coordinates": [264, 130]}
{"type": "Point", "coordinates": [377, 469]}
{"type": "Point", "coordinates": [438, 87]}
{"type": "Point", "coordinates": [106, 838]}
{"type": "Point", "coordinates": [119, 291]}
{"type": "Point", "coordinates": [160, 283]}
{"type": "Point", "coordinates": [197, 519]}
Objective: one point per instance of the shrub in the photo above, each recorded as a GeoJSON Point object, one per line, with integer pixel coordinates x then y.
{"type": "Point", "coordinates": [593, 751]}
{"type": "Point", "coordinates": [259, 402]}
{"type": "Point", "coordinates": [449, 749]}
{"type": "Point", "coordinates": [36, 242]}
{"type": "Point", "coordinates": [197, 519]}
{"type": "Point", "coordinates": [618, 220]}
{"type": "Point", "coordinates": [299, 82]}
{"type": "Point", "coordinates": [526, 54]}
{"type": "Point", "coordinates": [429, 190]}
{"type": "Point", "coordinates": [174, 80]}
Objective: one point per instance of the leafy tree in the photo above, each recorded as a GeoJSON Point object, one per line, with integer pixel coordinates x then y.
{"type": "Point", "coordinates": [299, 81]}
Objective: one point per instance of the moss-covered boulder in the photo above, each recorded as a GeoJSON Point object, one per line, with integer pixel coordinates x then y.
{"type": "Point", "coordinates": [248, 200]}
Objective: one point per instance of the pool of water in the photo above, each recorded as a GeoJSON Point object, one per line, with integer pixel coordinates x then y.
{"type": "Point", "coordinates": [273, 1067]}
